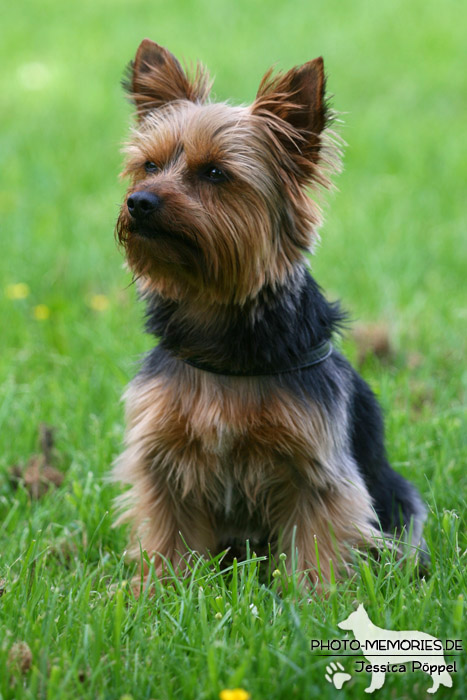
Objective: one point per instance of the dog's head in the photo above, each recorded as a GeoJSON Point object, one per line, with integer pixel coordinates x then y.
{"type": "Point", "coordinates": [217, 204]}
{"type": "Point", "coordinates": [355, 620]}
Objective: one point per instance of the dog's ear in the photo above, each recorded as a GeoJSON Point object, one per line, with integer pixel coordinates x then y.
{"type": "Point", "coordinates": [156, 78]}
{"type": "Point", "coordinates": [295, 99]}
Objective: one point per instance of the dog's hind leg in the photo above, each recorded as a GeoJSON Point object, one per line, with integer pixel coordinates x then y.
{"type": "Point", "coordinates": [398, 505]}
{"type": "Point", "coordinates": [442, 678]}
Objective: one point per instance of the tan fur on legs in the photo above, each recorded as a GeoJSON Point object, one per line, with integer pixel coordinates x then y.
{"type": "Point", "coordinates": [194, 435]}
{"type": "Point", "coordinates": [320, 532]}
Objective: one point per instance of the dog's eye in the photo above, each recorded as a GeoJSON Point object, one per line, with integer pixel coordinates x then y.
{"type": "Point", "coordinates": [213, 174]}
{"type": "Point", "coordinates": [150, 167]}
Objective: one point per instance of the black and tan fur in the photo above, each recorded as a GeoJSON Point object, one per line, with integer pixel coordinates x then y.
{"type": "Point", "coordinates": [215, 225]}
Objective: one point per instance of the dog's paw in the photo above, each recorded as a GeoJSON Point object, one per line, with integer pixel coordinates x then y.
{"type": "Point", "coordinates": [336, 675]}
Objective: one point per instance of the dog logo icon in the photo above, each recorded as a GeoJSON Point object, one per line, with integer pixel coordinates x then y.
{"type": "Point", "coordinates": [385, 649]}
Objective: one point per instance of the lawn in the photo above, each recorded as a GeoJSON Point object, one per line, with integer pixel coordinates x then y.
{"type": "Point", "coordinates": [393, 248]}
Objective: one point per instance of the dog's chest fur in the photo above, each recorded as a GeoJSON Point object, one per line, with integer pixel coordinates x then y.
{"type": "Point", "coordinates": [237, 444]}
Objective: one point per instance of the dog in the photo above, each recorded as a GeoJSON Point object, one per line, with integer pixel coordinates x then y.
{"type": "Point", "coordinates": [244, 422]}
{"type": "Point", "coordinates": [419, 645]}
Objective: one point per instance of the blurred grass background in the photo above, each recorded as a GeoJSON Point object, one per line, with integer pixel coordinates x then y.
{"type": "Point", "coordinates": [393, 244]}
{"type": "Point", "coordinates": [394, 241]}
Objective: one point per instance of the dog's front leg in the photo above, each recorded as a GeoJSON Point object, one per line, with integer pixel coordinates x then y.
{"type": "Point", "coordinates": [377, 681]}
{"type": "Point", "coordinates": [166, 527]}
{"type": "Point", "coordinates": [324, 524]}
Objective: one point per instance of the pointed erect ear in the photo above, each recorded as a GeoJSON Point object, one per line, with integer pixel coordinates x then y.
{"type": "Point", "coordinates": [296, 98]}
{"type": "Point", "coordinates": [156, 78]}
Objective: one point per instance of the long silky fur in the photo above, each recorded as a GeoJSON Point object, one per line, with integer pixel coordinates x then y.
{"type": "Point", "coordinates": [211, 459]}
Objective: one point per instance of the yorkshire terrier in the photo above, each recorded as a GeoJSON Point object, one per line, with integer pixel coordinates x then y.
{"type": "Point", "coordinates": [244, 422]}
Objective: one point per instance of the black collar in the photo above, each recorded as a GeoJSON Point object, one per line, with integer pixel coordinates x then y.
{"type": "Point", "coordinates": [314, 356]}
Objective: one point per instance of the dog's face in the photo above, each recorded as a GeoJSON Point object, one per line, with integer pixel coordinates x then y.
{"type": "Point", "coordinates": [217, 206]}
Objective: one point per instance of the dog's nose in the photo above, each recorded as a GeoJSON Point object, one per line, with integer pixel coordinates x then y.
{"type": "Point", "coordinates": [141, 204]}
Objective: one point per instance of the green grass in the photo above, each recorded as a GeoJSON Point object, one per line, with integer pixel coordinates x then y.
{"type": "Point", "coordinates": [393, 247]}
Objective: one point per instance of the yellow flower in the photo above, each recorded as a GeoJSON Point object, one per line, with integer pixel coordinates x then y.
{"type": "Point", "coordinates": [99, 302]}
{"type": "Point", "coordinates": [41, 312]}
{"type": "Point", "coordinates": [20, 290]}
{"type": "Point", "coordinates": [235, 694]}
